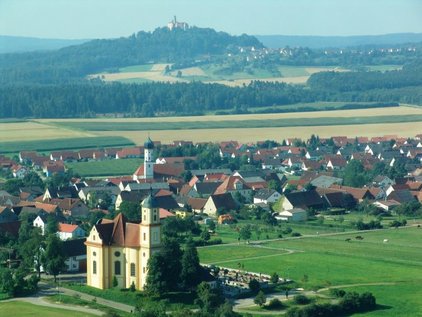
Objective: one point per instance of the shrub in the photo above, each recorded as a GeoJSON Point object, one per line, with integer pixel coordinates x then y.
{"type": "Point", "coordinates": [296, 234]}
{"type": "Point", "coordinates": [260, 299]}
{"type": "Point", "coordinates": [254, 286]}
{"type": "Point", "coordinates": [337, 292]}
{"type": "Point", "coordinates": [301, 300]}
{"type": "Point", "coordinates": [275, 303]}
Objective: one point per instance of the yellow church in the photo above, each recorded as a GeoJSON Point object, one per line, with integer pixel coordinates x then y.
{"type": "Point", "coordinates": [116, 248]}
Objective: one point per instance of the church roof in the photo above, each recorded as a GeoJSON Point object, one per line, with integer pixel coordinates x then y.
{"type": "Point", "coordinates": [149, 202]}
{"type": "Point", "coordinates": [149, 144]}
{"type": "Point", "coordinates": [119, 232]}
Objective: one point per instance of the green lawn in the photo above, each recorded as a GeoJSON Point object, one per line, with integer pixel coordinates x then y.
{"type": "Point", "coordinates": [132, 298]}
{"type": "Point", "coordinates": [106, 167]}
{"type": "Point", "coordinates": [330, 260]}
{"type": "Point", "coordinates": [218, 254]}
{"type": "Point", "coordinates": [23, 309]}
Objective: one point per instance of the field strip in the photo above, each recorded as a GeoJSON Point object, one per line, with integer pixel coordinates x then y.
{"type": "Point", "coordinates": [250, 124]}
{"type": "Point", "coordinates": [278, 134]}
{"type": "Point", "coordinates": [402, 110]}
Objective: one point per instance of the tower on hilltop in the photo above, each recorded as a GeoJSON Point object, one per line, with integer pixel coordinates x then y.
{"type": "Point", "coordinates": [174, 24]}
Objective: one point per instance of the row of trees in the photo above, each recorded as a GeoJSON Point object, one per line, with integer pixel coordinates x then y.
{"type": "Point", "coordinates": [349, 303]}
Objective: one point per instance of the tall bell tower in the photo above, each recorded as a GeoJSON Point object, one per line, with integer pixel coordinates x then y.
{"type": "Point", "coordinates": [148, 160]}
{"type": "Point", "coordinates": [150, 234]}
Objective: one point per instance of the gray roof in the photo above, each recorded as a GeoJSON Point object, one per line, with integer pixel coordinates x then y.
{"type": "Point", "coordinates": [143, 186]}
{"type": "Point", "coordinates": [264, 193]}
{"type": "Point", "coordinates": [324, 181]}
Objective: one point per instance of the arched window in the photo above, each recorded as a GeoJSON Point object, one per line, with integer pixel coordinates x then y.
{"type": "Point", "coordinates": [132, 269]}
{"type": "Point", "coordinates": [117, 268]}
{"type": "Point", "coordinates": [94, 267]}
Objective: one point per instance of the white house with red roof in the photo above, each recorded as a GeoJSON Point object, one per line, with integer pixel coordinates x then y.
{"type": "Point", "coordinates": [68, 231]}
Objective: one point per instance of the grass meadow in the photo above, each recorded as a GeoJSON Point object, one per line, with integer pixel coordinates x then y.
{"type": "Point", "coordinates": [106, 167]}
{"type": "Point", "coordinates": [324, 261]}
{"type": "Point", "coordinates": [23, 309]}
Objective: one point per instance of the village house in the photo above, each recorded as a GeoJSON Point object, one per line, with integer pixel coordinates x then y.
{"type": "Point", "coordinates": [218, 203]}
{"type": "Point", "coordinates": [292, 215]}
{"type": "Point", "coordinates": [266, 196]}
{"type": "Point", "coordinates": [69, 231]}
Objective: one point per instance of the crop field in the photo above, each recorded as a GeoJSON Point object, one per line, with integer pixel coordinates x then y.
{"type": "Point", "coordinates": [63, 144]}
{"type": "Point", "coordinates": [328, 260]}
{"type": "Point", "coordinates": [29, 130]}
{"type": "Point", "coordinates": [224, 124]}
{"type": "Point", "coordinates": [53, 134]}
{"type": "Point", "coordinates": [106, 167]}
{"type": "Point", "coordinates": [23, 309]}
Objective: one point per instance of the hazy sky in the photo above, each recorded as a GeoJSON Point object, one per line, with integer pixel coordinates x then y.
{"type": "Point", "coordinates": [113, 18]}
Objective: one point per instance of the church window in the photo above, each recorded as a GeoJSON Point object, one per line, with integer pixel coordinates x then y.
{"type": "Point", "coordinates": [93, 238]}
{"type": "Point", "coordinates": [145, 236]}
{"type": "Point", "coordinates": [145, 217]}
{"type": "Point", "coordinates": [143, 269]}
{"type": "Point", "coordinates": [143, 254]}
{"type": "Point", "coordinates": [94, 267]}
{"type": "Point", "coordinates": [132, 269]}
{"type": "Point", "coordinates": [155, 215]}
{"type": "Point", "coordinates": [117, 253]}
{"type": "Point", "coordinates": [94, 253]}
{"type": "Point", "coordinates": [117, 268]}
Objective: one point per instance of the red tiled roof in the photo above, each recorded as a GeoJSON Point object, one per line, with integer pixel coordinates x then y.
{"type": "Point", "coordinates": [64, 227]}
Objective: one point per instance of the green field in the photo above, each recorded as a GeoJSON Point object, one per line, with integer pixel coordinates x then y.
{"type": "Point", "coordinates": [64, 144]}
{"type": "Point", "coordinates": [292, 122]}
{"type": "Point", "coordinates": [136, 68]}
{"type": "Point", "coordinates": [23, 309]}
{"type": "Point", "coordinates": [330, 260]}
{"type": "Point", "coordinates": [106, 167]}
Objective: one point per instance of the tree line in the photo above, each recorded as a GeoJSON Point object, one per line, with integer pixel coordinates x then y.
{"type": "Point", "coordinates": [196, 98]}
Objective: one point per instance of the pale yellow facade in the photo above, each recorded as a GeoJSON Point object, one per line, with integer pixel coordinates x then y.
{"type": "Point", "coordinates": [125, 256]}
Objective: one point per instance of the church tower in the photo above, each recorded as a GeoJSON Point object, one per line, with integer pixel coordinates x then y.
{"type": "Point", "coordinates": [150, 234]}
{"type": "Point", "coordinates": [148, 160]}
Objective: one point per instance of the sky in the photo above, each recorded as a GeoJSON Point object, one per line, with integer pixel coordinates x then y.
{"type": "Point", "coordinates": [87, 19]}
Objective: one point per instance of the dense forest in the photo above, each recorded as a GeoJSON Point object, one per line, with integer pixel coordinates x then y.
{"type": "Point", "coordinates": [157, 99]}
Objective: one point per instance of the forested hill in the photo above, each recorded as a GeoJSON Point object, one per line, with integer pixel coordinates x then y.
{"type": "Point", "coordinates": [162, 45]}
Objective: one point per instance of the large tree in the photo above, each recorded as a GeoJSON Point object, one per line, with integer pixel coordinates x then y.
{"type": "Point", "coordinates": [354, 174]}
{"type": "Point", "coordinates": [191, 269]}
{"type": "Point", "coordinates": [53, 259]}
{"type": "Point", "coordinates": [164, 268]}
{"type": "Point", "coordinates": [131, 210]}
